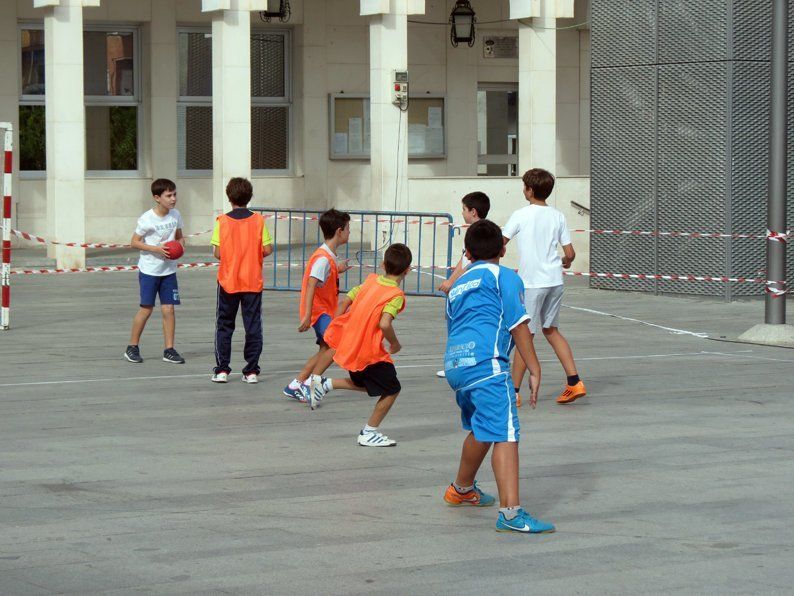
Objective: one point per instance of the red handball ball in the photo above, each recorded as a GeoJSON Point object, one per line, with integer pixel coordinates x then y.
{"type": "Point", "coordinates": [175, 249]}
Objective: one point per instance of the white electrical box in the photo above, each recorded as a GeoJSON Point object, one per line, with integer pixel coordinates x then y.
{"type": "Point", "coordinates": [399, 90]}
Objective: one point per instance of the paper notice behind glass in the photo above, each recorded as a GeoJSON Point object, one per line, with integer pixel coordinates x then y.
{"type": "Point", "coordinates": [355, 131]}
{"type": "Point", "coordinates": [435, 117]}
{"type": "Point", "coordinates": [435, 141]}
{"type": "Point", "coordinates": [340, 143]}
{"type": "Point", "coordinates": [417, 135]}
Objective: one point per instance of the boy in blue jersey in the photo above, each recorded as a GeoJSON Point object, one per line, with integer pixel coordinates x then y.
{"type": "Point", "coordinates": [485, 319]}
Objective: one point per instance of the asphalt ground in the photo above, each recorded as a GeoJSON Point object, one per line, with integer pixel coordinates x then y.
{"type": "Point", "coordinates": [674, 475]}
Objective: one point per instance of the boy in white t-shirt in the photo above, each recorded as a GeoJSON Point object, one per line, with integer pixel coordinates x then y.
{"type": "Point", "coordinates": [156, 270]}
{"type": "Point", "coordinates": [538, 229]}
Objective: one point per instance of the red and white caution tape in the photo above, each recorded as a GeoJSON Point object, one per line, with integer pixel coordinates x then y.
{"type": "Point", "coordinates": [5, 268]}
{"type": "Point", "coordinates": [778, 236]}
{"type": "Point", "coordinates": [33, 238]}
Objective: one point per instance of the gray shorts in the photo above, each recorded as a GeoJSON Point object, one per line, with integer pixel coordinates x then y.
{"type": "Point", "coordinates": [543, 307]}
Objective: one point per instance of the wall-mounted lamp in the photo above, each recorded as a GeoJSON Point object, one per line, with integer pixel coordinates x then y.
{"type": "Point", "coordinates": [279, 9]}
{"type": "Point", "coordinates": [461, 20]}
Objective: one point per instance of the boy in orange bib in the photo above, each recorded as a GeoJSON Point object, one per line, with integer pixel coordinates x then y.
{"type": "Point", "coordinates": [355, 338]}
{"type": "Point", "coordinates": [320, 293]}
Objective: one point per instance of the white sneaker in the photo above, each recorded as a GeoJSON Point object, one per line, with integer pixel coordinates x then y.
{"type": "Point", "coordinates": [441, 374]}
{"type": "Point", "coordinates": [316, 391]}
{"type": "Point", "coordinates": [220, 377]}
{"type": "Point", "coordinates": [375, 439]}
{"type": "Point", "coordinates": [250, 378]}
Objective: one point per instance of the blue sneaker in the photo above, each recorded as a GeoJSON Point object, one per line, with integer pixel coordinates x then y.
{"type": "Point", "coordinates": [523, 523]}
{"type": "Point", "coordinates": [296, 394]}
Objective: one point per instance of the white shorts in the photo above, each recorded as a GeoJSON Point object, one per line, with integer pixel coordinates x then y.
{"type": "Point", "coordinates": [543, 307]}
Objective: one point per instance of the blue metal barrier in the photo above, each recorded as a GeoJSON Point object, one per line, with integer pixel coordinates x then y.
{"type": "Point", "coordinates": [296, 234]}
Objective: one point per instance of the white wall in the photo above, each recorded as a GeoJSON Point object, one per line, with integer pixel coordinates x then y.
{"type": "Point", "coordinates": [113, 204]}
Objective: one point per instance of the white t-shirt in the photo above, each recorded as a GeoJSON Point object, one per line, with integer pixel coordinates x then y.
{"type": "Point", "coordinates": [321, 268]}
{"type": "Point", "coordinates": [538, 231]}
{"type": "Point", "coordinates": [154, 230]}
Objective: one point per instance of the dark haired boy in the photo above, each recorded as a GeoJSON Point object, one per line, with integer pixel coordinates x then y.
{"type": "Point", "coordinates": [476, 206]}
{"type": "Point", "coordinates": [241, 241]}
{"type": "Point", "coordinates": [320, 293]}
{"type": "Point", "coordinates": [355, 338]}
{"type": "Point", "coordinates": [539, 229]}
{"type": "Point", "coordinates": [156, 270]}
{"type": "Point", "coordinates": [485, 318]}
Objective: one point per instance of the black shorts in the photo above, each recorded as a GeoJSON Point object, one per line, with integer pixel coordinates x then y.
{"type": "Point", "coordinates": [378, 379]}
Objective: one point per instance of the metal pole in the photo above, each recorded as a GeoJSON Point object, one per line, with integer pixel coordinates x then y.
{"type": "Point", "coordinates": [5, 268]}
{"type": "Point", "coordinates": [775, 303]}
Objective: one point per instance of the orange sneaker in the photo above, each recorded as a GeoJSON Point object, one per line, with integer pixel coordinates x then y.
{"type": "Point", "coordinates": [572, 393]}
{"type": "Point", "coordinates": [518, 400]}
{"type": "Point", "coordinates": [474, 497]}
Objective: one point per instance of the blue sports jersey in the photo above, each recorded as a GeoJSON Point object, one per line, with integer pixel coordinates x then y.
{"type": "Point", "coordinates": [483, 306]}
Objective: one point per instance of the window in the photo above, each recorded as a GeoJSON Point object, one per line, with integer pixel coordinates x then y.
{"type": "Point", "coordinates": [270, 101]}
{"type": "Point", "coordinates": [497, 130]}
{"type": "Point", "coordinates": [32, 126]}
{"type": "Point", "coordinates": [111, 93]}
{"type": "Point", "coordinates": [111, 99]}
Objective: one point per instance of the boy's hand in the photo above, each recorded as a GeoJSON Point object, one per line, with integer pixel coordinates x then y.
{"type": "Point", "coordinates": [306, 322]}
{"type": "Point", "coordinates": [395, 347]}
{"type": "Point", "coordinates": [445, 286]}
{"type": "Point", "coordinates": [566, 263]}
{"type": "Point", "coordinates": [534, 387]}
{"type": "Point", "coordinates": [162, 251]}
{"type": "Point", "coordinates": [343, 265]}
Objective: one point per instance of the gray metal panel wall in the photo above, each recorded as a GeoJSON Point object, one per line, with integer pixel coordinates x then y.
{"type": "Point", "coordinates": [707, 62]}
{"type": "Point", "coordinates": [624, 156]}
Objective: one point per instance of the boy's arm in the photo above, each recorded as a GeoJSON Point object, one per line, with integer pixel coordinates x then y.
{"type": "Point", "coordinates": [308, 302]}
{"type": "Point", "coordinates": [568, 256]}
{"type": "Point", "coordinates": [179, 237]}
{"type": "Point", "coordinates": [267, 250]}
{"type": "Point", "coordinates": [267, 242]}
{"type": "Point", "coordinates": [446, 285]}
{"type": "Point", "coordinates": [388, 332]}
{"type": "Point", "coordinates": [138, 244]}
{"type": "Point", "coordinates": [216, 252]}
{"type": "Point", "coordinates": [526, 349]}
{"type": "Point", "coordinates": [343, 305]}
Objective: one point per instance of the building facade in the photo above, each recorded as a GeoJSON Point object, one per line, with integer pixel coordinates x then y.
{"type": "Point", "coordinates": [202, 90]}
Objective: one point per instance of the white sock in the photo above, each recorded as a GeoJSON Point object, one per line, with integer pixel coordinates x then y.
{"type": "Point", "coordinates": [370, 429]}
{"type": "Point", "coordinates": [294, 384]}
{"type": "Point", "coordinates": [510, 512]}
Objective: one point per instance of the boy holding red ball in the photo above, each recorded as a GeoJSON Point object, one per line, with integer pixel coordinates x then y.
{"type": "Point", "coordinates": [157, 268]}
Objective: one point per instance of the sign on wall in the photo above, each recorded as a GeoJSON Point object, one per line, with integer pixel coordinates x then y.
{"type": "Point", "coordinates": [496, 46]}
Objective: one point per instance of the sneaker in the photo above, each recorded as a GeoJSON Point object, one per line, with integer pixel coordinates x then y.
{"type": "Point", "coordinates": [441, 374]}
{"type": "Point", "coordinates": [296, 394]}
{"type": "Point", "coordinates": [523, 523]}
{"type": "Point", "coordinates": [172, 356]}
{"type": "Point", "coordinates": [572, 393]}
{"type": "Point", "coordinates": [474, 497]}
{"type": "Point", "coordinates": [518, 400]}
{"type": "Point", "coordinates": [250, 378]}
{"type": "Point", "coordinates": [316, 392]}
{"type": "Point", "coordinates": [374, 439]}
{"type": "Point", "coordinates": [133, 354]}
{"type": "Point", "coordinates": [220, 377]}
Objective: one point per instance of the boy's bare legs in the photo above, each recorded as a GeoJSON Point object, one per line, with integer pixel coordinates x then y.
{"type": "Point", "coordinates": [169, 325]}
{"type": "Point", "coordinates": [381, 409]}
{"type": "Point", "coordinates": [310, 364]}
{"type": "Point", "coordinates": [138, 323]}
{"type": "Point", "coordinates": [504, 461]}
{"type": "Point", "coordinates": [471, 458]}
{"type": "Point", "coordinates": [562, 348]}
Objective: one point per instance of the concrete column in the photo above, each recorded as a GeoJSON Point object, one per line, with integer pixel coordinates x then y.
{"type": "Point", "coordinates": [461, 122]}
{"type": "Point", "coordinates": [66, 144]}
{"type": "Point", "coordinates": [312, 155]}
{"type": "Point", "coordinates": [231, 92]}
{"type": "Point", "coordinates": [9, 94]}
{"type": "Point", "coordinates": [388, 52]}
{"type": "Point", "coordinates": [164, 86]}
{"type": "Point", "coordinates": [537, 80]}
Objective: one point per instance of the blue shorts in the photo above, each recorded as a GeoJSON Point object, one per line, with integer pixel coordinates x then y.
{"type": "Point", "coordinates": [488, 409]}
{"type": "Point", "coordinates": [320, 325]}
{"type": "Point", "coordinates": [154, 285]}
